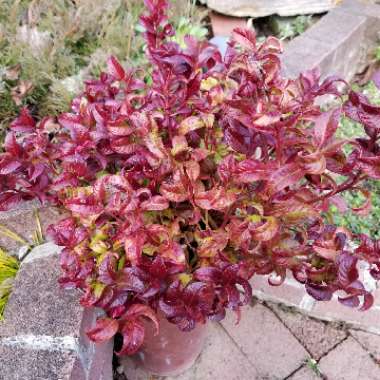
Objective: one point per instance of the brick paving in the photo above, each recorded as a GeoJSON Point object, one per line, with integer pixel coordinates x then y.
{"type": "Point", "coordinates": [273, 342]}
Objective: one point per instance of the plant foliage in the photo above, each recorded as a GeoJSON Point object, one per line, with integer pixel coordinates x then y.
{"type": "Point", "coordinates": [8, 270]}
{"type": "Point", "coordinates": [182, 188]}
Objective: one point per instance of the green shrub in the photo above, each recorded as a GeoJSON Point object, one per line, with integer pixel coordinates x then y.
{"type": "Point", "coordinates": [368, 224]}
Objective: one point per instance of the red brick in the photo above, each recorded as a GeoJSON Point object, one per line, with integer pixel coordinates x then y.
{"type": "Point", "coordinates": [224, 25]}
{"type": "Point", "coordinates": [349, 361]}
{"type": "Point", "coordinates": [316, 336]}
{"type": "Point", "coordinates": [220, 359]}
{"type": "Point", "coordinates": [371, 342]}
{"type": "Point", "coordinates": [268, 344]}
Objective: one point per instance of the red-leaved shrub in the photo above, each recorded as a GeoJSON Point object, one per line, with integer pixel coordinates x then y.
{"type": "Point", "coordinates": [184, 182]}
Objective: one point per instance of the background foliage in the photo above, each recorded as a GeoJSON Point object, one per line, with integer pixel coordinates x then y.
{"type": "Point", "coordinates": [368, 224]}
{"type": "Point", "coordinates": [49, 47]}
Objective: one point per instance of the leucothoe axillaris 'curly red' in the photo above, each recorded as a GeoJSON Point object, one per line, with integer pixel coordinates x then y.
{"type": "Point", "coordinates": [185, 181]}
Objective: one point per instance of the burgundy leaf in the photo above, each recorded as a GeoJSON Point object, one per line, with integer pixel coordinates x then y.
{"type": "Point", "coordinates": [115, 69]}
{"type": "Point", "coordinates": [24, 122]}
{"type": "Point", "coordinates": [104, 330]}
{"type": "Point", "coordinates": [133, 333]}
{"type": "Point", "coordinates": [319, 292]}
{"type": "Point", "coordinates": [325, 126]}
{"type": "Point", "coordinates": [245, 37]}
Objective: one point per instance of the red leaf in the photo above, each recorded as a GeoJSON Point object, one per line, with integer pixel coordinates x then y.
{"type": "Point", "coordinates": [84, 207]}
{"type": "Point", "coordinates": [266, 231]}
{"type": "Point", "coordinates": [325, 126]}
{"type": "Point", "coordinates": [24, 122]}
{"type": "Point", "coordinates": [313, 163]}
{"type": "Point", "coordinates": [253, 170]}
{"type": "Point", "coordinates": [8, 165]}
{"type": "Point", "coordinates": [140, 310]}
{"type": "Point", "coordinates": [155, 203]}
{"type": "Point", "coordinates": [133, 245]}
{"type": "Point", "coordinates": [246, 38]}
{"type": "Point", "coordinates": [214, 199]}
{"type": "Point", "coordinates": [115, 68]}
{"type": "Point", "coordinates": [104, 330]}
{"type": "Point", "coordinates": [271, 45]}
{"type": "Point", "coordinates": [11, 146]}
{"type": "Point", "coordinates": [71, 121]}
{"type": "Point", "coordinates": [123, 145]}
{"type": "Point", "coordinates": [351, 301]}
{"type": "Point", "coordinates": [192, 123]}
{"type": "Point", "coordinates": [9, 200]}
{"type": "Point", "coordinates": [319, 292]}
{"type": "Point", "coordinates": [285, 176]}
{"type": "Point", "coordinates": [133, 333]}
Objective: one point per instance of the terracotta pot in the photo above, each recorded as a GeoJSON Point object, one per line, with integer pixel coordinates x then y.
{"type": "Point", "coordinates": [172, 351]}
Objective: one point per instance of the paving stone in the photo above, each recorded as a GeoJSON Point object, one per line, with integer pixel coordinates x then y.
{"type": "Point", "coordinates": [316, 336]}
{"type": "Point", "coordinates": [220, 359]}
{"type": "Point", "coordinates": [371, 342]}
{"type": "Point", "coordinates": [39, 306]}
{"type": "Point", "coordinates": [269, 345]}
{"type": "Point", "coordinates": [20, 364]}
{"type": "Point", "coordinates": [349, 361]}
{"type": "Point", "coordinates": [304, 373]}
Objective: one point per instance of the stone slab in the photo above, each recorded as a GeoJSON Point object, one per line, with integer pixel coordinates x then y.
{"type": "Point", "coordinates": [305, 373]}
{"type": "Point", "coordinates": [316, 336]}
{"type": "Point", "coordinates": [335, 44]}
{"type": "Point", "coordinates": [349, 361]}
{"type": "Point", "coordinates": [370, 342]}
{"type": "Point", "coordinates": [48, 322]}
{"type": "Point", "coordinates": [20, 364]}
{"type": "Point", "coordinates": [39, 306]}
{"type": "Point", "coordinates": [261, 8]}
{"type": "Point", "coordinates": [41, 251]}
{"type": "Point", "coordinates": [261, 336]}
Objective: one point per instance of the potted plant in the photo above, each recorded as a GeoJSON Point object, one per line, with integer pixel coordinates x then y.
{"type": "Point", "coordinates": [184, 182]}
